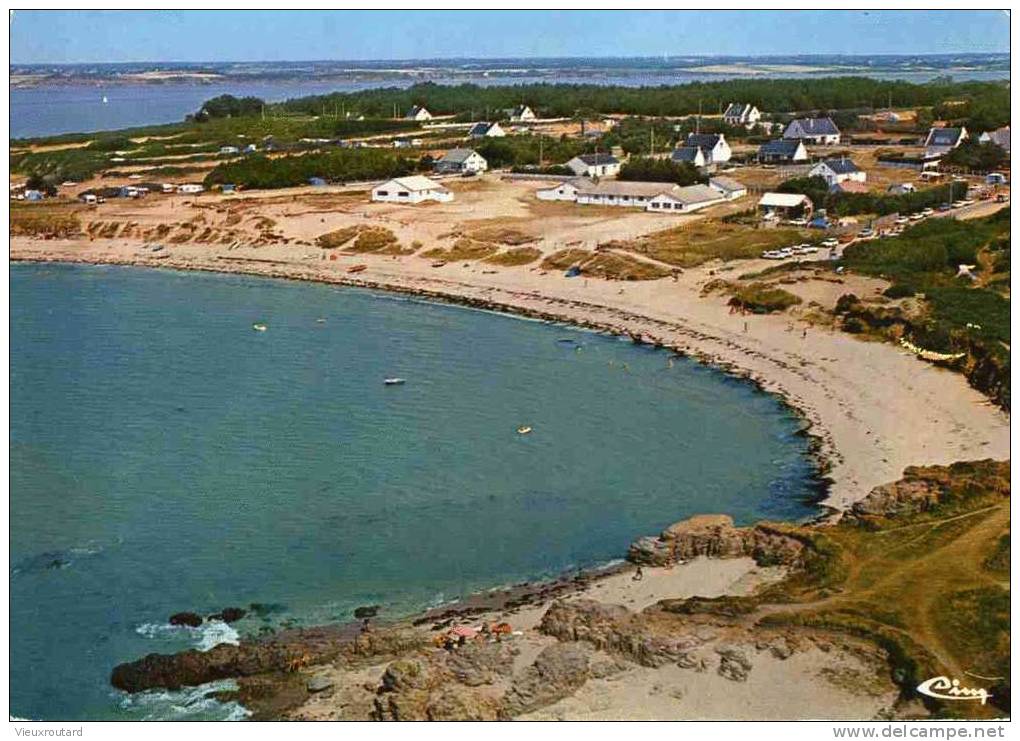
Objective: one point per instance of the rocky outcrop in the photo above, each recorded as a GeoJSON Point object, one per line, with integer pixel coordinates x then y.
{"type": "Point", "coordinates": [924, 487]}
{"type": "Point", "coordinates": [286, 653]}
{"type": "Point", "coordinates": [559, 670]}
{"type": "Point", "coordinates": [715, 536]}
{"type": "Point", "coordinates": [734, 663]}
{"type": "Point", "coordinates": [440, 685]}
{"type": "Point", "coordinates": [615, 629]}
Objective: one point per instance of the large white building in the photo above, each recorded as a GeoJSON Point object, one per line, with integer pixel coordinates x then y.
{"type": "Point", "coordinates": [411, 189]}
{"type": "Point", "coordinates": [653, 197]}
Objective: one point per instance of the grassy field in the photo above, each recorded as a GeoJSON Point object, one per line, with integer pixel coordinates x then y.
{"type": "Point", "coordinates": [515, 256]}
{"type": "Point", "coordinates": [45, 220]}
{"type": "Point", "coordinates": [962, 315]}
{"type": "Point", "coordinates": [695, 243]}
{"type": "Point", "coordinates": [604, 265]}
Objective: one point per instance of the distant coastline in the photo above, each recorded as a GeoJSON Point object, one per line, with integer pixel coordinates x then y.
{"type": "Point", "coordinates": [643, 70]}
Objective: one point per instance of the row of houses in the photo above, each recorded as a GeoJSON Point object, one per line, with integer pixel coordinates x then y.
{"type": "Point", "coordinates": [517, 114]}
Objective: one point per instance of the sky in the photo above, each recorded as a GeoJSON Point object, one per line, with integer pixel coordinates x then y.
{"type": "Point", "coordinates": [221, 35]}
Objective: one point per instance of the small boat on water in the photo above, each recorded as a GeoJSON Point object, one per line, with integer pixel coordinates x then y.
{"type": "Point", "coordinates": [394, 381]}
{"type": "Point", "coordinates": [523, 430]}
{"type": "Point", "coordinates": [259, 327]}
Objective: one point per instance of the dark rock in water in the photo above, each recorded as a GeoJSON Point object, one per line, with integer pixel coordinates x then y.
{"type": "Point", "coordinates": [368, 611]}
{"type": "Point", "coordinates": [190, 619]}
{"type": "Point", "coordinates": [229, 614]}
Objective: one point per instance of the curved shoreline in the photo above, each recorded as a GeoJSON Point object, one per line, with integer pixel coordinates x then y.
{"type": "Point", "coordinates": [778, 371]}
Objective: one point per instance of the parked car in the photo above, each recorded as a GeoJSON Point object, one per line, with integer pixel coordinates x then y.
{"type": "Point", "coordinates": [945, 207]}
{"type": "Point", "coordinates": [903, 220]}
{"type": "Point", "coordinates": [830, 243]}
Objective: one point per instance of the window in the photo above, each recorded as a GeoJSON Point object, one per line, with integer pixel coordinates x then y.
{"type": "Point", "coordinates": [382, 193]}
{"type": "Point", "coordinates": [403, 194]}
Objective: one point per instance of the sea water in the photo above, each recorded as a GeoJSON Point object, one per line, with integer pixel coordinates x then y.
{"type": "Point", "coordinates": [166, 457]}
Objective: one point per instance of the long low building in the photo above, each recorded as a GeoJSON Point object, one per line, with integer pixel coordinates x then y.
{"type": "Point", "coordinates": [654, 197]}
{"type": "Point", "coordinates": [411, 189]}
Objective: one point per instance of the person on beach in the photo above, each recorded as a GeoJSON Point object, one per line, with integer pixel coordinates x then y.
{"type": "Point", "coordinates": [638, 575]}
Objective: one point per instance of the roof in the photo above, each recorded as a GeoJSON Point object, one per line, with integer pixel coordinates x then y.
{"type": "Point", "coordinates": [784, 147]}
{"type": "Point", "coordinates": [724, 183]}
{"type": "Point", "coordinates": [783, 200]}
{"type": "Point", "coordinates": [626, 188]}
{"type": "Point", "coordinates": [416, 109]}
{"type": "Point", "coordinates": [457, 156]}
{"type": "Point", "coordinates": [597, 159]}
{"type": "Point", "coordinates": [841, 165]}
{"type": "Point", "coordinates": [415, 183]}
{"type": "Point", "coordinates": [816, 126]}
{"type": "Point", "coordinates": [737, 110]}
{"type": "Point", "coordinates": [850, 186]}
{"type": "Point", "coordinates": [999, 137]}
{"type": "Point", "coordinates": [695, 194]}
{"type": "Point", "coordinates": [686, 154]}
{"type": "Point", "coordinates": [518, 110]}
{"type": "Point", "coordinates": [480, 129]}
{"type": "Point", "coordinates": [706, 141]}
{"type": "Point", "coordinates": [944, 137]}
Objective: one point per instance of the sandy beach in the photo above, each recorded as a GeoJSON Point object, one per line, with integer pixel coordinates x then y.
{"type": "Point", "coordinates": [873, 407]}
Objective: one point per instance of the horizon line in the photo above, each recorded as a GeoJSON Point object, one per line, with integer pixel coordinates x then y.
{"type": "Point", "coordinates": [533, 57]}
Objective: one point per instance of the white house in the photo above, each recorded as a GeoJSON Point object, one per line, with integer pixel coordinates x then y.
{"type": "Point", "coordinates": [685, 200]}
{"type": "Point", "coordinates": [483, 129]}
{"type": "Point", "coordinates": [411, 189]}
{"type": "Point", "coordinates": [190, 188]}
{"type": "Point", "coordinates": [461, 161]}
{"type": "Point", "coordinates": [813, 130]}
{"type": "Point", "coordinates": [520, 113]}
{"type": "Point", "coordinates": [784, 203]}
{"type": "Point", "coordinates": [691, 155]}
{"type": "Point", "coordinates": [942, 140]}
{"type": "Point", "coordinates": [901, 189]}
{"type": "Point", "coordinates": [730, 188]}
{"type": "Point", "coordinates": [418, 113]}
{"type": "Point", "coordinates": [999, 137]}
{"type": "Point", "coordinates": [742, 114]}
{"type": "Point", "coordinates": [594, 165]}
{"type": "Point", "coordinates": [565, 191]}
{"type": "Point", "coordinates": [837, 171]}
{"type": "Point", "coordinates": [714, 146]}
{"type": "Point", "coordinates": [783, 150]}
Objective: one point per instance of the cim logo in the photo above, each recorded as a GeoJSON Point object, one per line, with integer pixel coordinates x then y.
{"type": "Point", "coordinates": [944, 688]}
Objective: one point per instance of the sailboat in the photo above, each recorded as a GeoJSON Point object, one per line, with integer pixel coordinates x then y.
{"type": "Point", "coordinates": [105, 100]}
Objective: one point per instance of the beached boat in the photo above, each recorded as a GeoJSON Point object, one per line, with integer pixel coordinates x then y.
{"type": "Point", "coordinates": [394, 381]}
{"type": "Point", "coordinates": [357, 268]}
{"type": "Point", "coordinates": [259, 327]}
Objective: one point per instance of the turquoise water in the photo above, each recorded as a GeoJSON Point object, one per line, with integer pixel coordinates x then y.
{"type": "Point", "coordinates": [166, 457]}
